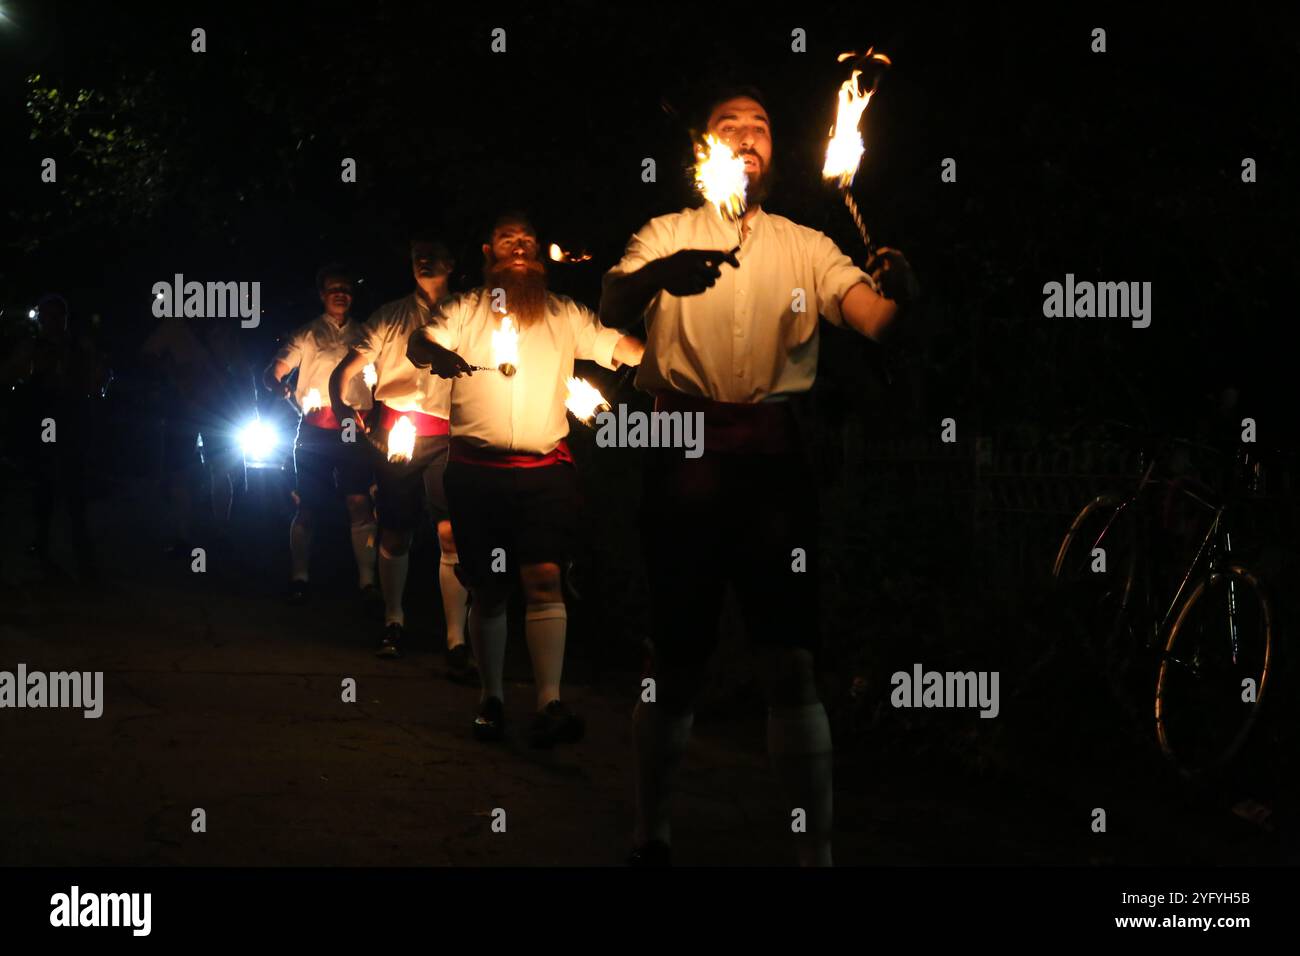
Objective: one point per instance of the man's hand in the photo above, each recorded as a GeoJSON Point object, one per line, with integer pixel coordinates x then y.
{"type": "Point", "coordinates": [629, 350]}
{"type": "Point", "coordinates": [281, 390]}
{"type": "Point", "coordinates": [894, 275]}
{"type": "Point", "coordinates": [424, 352]}
{"type": "Point", "coordinates": [447, 364]}
{"type": "Point", "coordinates": [691, 271]}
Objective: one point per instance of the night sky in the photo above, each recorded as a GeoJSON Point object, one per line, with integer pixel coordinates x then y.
{"type": "Point", "coordinates": [1121, 166]}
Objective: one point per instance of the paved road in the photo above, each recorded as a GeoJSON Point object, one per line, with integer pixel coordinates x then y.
{"type": "Point", "coordinates": [221, 697]}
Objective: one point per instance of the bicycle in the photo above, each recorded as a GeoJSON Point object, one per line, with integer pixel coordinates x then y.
{"type": "Point", "coordinates": [1205, 627]}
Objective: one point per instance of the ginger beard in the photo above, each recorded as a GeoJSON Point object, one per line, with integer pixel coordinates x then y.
{"type": "Point", "coordinates": [525, 289]}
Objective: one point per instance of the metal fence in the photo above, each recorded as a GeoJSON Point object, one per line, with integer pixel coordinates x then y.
{"type": "Point", "coordinates": [1002, 513]}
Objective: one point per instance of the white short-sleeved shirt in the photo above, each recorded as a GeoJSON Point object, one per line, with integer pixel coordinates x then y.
{"type": "Point", "coordinates": [400, 385]}
{"type": "Point", "coordinates": [742, 340]}
{"type": "Point", "coordinates": [523, 412]}
{"type": "Point", "coordinates": [315, 350]}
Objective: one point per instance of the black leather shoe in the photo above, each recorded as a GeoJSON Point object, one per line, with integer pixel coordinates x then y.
{"type": "Point", "coordinates": [556, 725]}
{"type": "Point", "coordinates": [490, 724]}
{"type": "Point", "coordinates": [392, 638]}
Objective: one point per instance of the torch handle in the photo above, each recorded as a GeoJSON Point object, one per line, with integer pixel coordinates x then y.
{"type": "Point", "coordinates": [852, 205]}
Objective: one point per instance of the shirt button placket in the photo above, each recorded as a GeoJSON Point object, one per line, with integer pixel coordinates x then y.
{"type": "Point", "coordinates": [738, 313]}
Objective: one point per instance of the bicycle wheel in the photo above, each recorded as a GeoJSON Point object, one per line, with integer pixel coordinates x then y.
{"type": "Point", "coordinates": [1094, 565]}
{"type": "Point", "coordinates": [1222, 638]}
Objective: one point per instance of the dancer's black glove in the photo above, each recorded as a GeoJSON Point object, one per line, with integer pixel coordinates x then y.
{"type": "Point", "coordinates": [894, 275]}
{"type": "Point", "coordinates": [424, 352]}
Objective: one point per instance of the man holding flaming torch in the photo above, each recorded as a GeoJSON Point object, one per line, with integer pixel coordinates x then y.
{"type": "Point", "coordinates": [507, 351]}
{"type": "Point", "coordinates": [409, 432]}
{"type": "Point", "coordinates": [736, 343]}
{"type": "Point", "coordinates": [320, 455]}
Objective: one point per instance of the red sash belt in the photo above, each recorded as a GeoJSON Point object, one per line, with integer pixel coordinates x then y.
{"type": "Point", "coordinates": [323, 418]}
{"type": "Point", "coordinates": [425, 425]}
{"type": "Point", "coordinates": [757, 427]}
{"type": "Point", "coordinates": [461, 450]}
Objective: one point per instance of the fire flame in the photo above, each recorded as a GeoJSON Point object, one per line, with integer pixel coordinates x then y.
{"type": "Point", "coordinates": [505, 347]}
{"type": "Point", "coordinates": [401, 440]}
{"type": "Point", "coordinates": [584, 400]}
{"type": "Point", "coordinates": [559, 255]}
{"type": "Point", "coordinates": [311, 401]}
{"type": "Point", "coordinates": [720, 176]}
{"type": "Point", "coordinates": [369, 375]}
{"type": "Point", "coordinates": [845, 149]}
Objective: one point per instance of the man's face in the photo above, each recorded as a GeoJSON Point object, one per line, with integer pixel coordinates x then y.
{"type": "Point", "coordinates": [514, 248]}
{"type": "Point", "coordinates": [512, 262]}
{"type": "Point", "coordinates": [742, 124]}
{"type": "Point", "coordinates": [336, 295]}
{"type": "Point", "coordinates": [427, 263]}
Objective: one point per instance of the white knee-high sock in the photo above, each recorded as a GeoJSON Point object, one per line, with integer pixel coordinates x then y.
{"type": "Point", "coordinates": [660, 739]}
{"type": "Point", "coordinates": [363, 549]}
{"type": "Point", "coordinates": [392, 581]}
{"type": "Point", "coordinates": [544, 627]}
{"type": "Point", "coordinates": [299, 548]}
{"type": "Point", "coordinates": [454, 600]}
{"type": "Point", "coordinates": [488, 637]}
{"type": "Point", "coordinates": [799, 746]}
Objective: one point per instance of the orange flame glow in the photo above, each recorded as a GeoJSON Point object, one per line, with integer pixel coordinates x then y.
{"type": "Point", "coordinates": [584, 400]}
{"type": "Point", "coordinates": [720, 176]}
{"type": "Point", "coordinates": [401, 440]}
{"type": "Point", "coordinates": [845, 149]}
{"type": "Point", "coordinates": [505, 346]}
{"type": "Point", "coordinates": [559, 255]}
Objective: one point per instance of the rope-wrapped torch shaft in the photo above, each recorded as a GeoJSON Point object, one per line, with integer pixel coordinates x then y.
{"type": "Point", "coordinates": [857, 221]}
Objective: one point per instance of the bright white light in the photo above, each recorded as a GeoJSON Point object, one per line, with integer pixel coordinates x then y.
{"type": "Point", "coordinates": [158, 296]}
{"type": "Point", "coordinates": [401, 440]}
{"type": "Point", "coordinates": [31, 313]}
{"type": "Point", "coordinates": [258, 440]}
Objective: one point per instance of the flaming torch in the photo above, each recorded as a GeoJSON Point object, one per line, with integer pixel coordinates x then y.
{"type": "Point", "coordinates": [505, 347]}
{"type": "Point", "coordinates": [370, 376]}
{"type": "Point", "coordinates": [585, 400]}
{"type": "Point", "coordinates": [845, 149]}
{"type": "Point", "coordinates": [401, 440]}
{"type": "Point", "coordinates": [311, 401]}
{"type": "Point", "coordinates": [559, 255]}
{"type": "Point", "coordinates": [720, 178]}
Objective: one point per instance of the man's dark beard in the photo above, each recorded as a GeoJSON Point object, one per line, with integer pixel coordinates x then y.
{"type": "Point", "coordinates": [757, 190]}
{"type": "Point", "coordinates": [525, 292]}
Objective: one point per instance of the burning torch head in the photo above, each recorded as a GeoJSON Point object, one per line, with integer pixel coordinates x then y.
{"type": "Point", "coordinates": [505, 347]}
{"type": "Point", "coordinates": [584, 400]}
{"type": "Point", "coordinates": [845, 148]}
{"type": "Point", "coordinates": [871, 65]}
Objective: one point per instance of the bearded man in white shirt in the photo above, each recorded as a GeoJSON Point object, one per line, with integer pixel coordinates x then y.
{"type": "Point", "coordinates": [510, 479]}
{"type": "Point", "coordinates": [726, 336]}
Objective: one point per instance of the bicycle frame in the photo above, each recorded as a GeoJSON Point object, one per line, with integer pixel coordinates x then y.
{"type": "Point", "coordinates": [1216, 543]}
